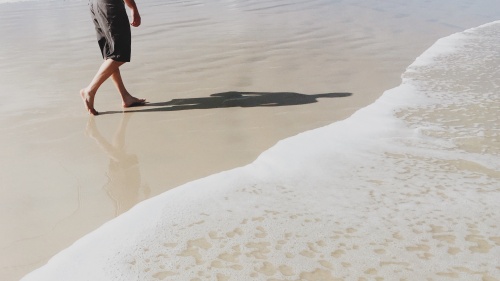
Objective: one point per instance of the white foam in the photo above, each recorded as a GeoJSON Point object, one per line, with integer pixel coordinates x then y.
{"type": "Point", "coordinates": [394, 192]}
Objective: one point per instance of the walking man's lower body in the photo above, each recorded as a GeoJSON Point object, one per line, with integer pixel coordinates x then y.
{"type": "Point", "coordinates": [114, 38]}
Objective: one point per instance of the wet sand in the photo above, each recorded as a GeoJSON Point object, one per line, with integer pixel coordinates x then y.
{"type": "Point", "coordinates": [225, 82]}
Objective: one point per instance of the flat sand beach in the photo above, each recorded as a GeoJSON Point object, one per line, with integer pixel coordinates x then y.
{"type": "Point", "coordinates": [225, 81]}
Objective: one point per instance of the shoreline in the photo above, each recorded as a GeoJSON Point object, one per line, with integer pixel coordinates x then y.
{"type": "Point", "coordinates": [72, 179]}
{"type": "Point", "coordinates": [298, 211]}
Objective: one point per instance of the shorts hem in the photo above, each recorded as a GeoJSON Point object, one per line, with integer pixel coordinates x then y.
{"type": "Point", "coordinates": [115, 58]}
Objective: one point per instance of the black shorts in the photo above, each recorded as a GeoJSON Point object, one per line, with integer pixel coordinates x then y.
{"type": "Point", "coordinates": [112, 28]}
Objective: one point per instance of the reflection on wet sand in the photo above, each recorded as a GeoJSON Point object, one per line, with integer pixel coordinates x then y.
{"type": "Point", "coordinates": [124, 185]}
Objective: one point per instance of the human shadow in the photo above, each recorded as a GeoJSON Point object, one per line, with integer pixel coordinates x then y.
{"type": "Point", "coordinates": [235, 99]}
{"type": "Point", "coordinates": [124, 186]}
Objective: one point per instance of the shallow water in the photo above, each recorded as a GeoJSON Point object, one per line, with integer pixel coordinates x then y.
{"type": "Point", "coordinates": [406, 188]}
{"type": "Point", "coordinates": [59, 178]}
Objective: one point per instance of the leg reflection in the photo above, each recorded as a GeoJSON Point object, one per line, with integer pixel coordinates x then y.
{"type": "Point", "coordinates": [124, 185]}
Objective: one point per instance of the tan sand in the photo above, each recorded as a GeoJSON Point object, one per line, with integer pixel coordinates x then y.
{"type": "Point", "coordinates": [63, 174]}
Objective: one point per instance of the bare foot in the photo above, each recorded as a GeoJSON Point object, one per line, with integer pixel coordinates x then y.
{"type": "Point", "coordinates": [131, 101]}
{"type": "Point", "coordinates": [88, 100]}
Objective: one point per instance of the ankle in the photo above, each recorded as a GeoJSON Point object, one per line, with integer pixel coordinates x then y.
{"type": "Point", "coordinates": [89, 92]}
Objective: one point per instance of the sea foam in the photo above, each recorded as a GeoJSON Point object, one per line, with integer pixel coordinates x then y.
{"type": "Point", "coordinates": [406, 188]}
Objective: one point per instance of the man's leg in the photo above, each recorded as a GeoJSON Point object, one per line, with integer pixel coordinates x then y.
{"type": "Point", "coordinates": [127, 99]}
{"type": "Point", "coordinates": [107, 68]}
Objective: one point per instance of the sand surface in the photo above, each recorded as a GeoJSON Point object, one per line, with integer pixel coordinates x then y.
{"type": "Point", "coordinates": [225, 81]}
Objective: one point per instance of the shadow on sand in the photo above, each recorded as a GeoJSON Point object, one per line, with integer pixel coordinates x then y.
{"type": "Point", "coordinates": [233, 99]}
